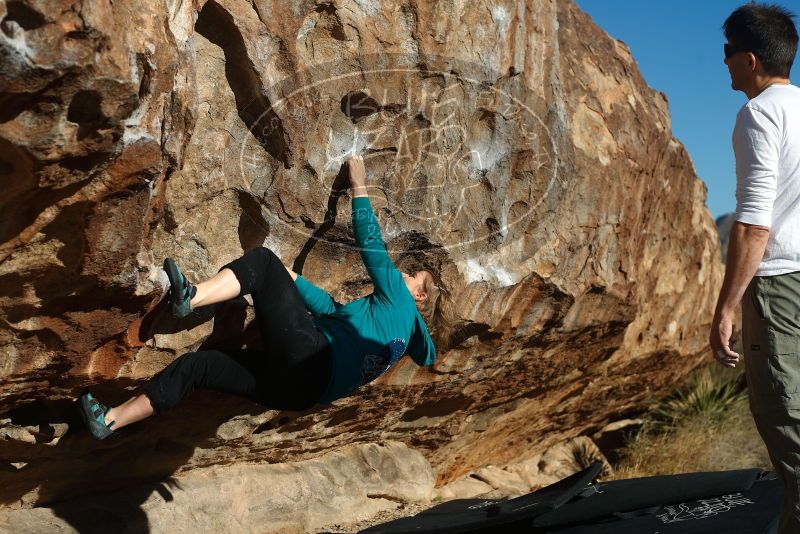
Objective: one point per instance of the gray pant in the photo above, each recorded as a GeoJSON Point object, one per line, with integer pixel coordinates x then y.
{"type": "Point", "coordinates": [771, 339]}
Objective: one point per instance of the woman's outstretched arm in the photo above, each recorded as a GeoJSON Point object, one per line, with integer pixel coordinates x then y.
{"type": "Point", "coordinates": [380, 267]}
{"type": "Point", "coordinates": [358, 176]}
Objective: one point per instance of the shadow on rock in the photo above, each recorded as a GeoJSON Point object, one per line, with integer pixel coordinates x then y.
{"type": "Point", "coordinates": [159, 320]}
{"type": "Point", "coordinates": [53, 462]}
{"type": "Point", "coordinates": [339, 188]}
{"type": "Point", "coordinates": [92, 484]}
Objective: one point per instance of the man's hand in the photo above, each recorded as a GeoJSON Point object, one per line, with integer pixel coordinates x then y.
{"type": "Point", "coordinates": [745, 250]}
{"type": "Point", "coordinates": [720, 340]}
{"type": "Point", "coordinates": [358, 176]}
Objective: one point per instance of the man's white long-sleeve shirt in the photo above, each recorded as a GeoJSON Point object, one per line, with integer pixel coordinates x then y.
{"type": "Point", "coordinates": [766, 142]}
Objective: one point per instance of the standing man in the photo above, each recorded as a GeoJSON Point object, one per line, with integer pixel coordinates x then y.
{"type": "Point", "coordinates": [763, 266]}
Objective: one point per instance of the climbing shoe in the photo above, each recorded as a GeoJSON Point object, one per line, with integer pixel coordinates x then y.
{"type": "Point", "coordinates": [180, 289]}
{"type": "Point", "coordinates": [94, 413]}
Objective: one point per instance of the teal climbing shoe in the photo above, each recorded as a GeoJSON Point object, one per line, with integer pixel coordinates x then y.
{"type": "Point", "coordinates": [180, 289]}
{"type": "Point", "coordinates": [94, 414]}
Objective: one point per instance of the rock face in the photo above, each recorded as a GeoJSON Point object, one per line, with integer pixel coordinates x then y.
{"type": "Point", "coordinates": [527, 473]}
{"type": "Point", "coordinates": [303, 497]}
{"type": "Point", "coordinates": [513, 146]}
{"type": "Point", "coordinates": [724, 225]}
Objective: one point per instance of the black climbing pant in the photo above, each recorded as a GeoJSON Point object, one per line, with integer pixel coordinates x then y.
{"type": "Point", "coordinates": [291, 374]}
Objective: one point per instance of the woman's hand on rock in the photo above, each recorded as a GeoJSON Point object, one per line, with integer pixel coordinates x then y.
{"type": "Point", "coordinates": [357, 172]}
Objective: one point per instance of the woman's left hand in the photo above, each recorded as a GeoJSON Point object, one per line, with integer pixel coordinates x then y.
{"type": "Point", "coordinates": [357, 172]}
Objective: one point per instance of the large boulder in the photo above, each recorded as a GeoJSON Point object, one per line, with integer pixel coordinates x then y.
{"type": "Point", "coordinates": [513, 146]}
{"type": "Point", "coordinates": [724, 226]}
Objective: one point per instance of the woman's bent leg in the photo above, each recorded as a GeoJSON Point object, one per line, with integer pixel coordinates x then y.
{"type": "Point", "coordinates": [297, 388]}
{"type": "Point", "coordinates": [133, 410]}
{"type": "Point", "coordinates": [298, 352]}
{"type": "Point", "coordinates": [223, 286]}
{"type": "Point", "coordinates": [247, 373]}
{"type": "Point", "coordinates": [256, 269]}
{"type": "Point", "coordinates": [285, 324]}
{"type": "Point", "coordinates": [207, 369]}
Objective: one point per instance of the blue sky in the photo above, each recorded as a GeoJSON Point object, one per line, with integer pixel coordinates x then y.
{"type": "Point", "coordinates": [678, 46]}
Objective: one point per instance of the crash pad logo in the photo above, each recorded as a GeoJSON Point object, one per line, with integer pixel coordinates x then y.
{"type": "Point", "coordinates": [452, 149]}
{"type": "Point", "coordinates": [375, 365]}
{"type": "Point", "coordinates": [703, 508]}
{"type": "Point", "coordinates": [484, 504]}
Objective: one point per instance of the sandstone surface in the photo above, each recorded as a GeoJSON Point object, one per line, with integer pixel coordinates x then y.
{"type": "Point", "coordinates": [511, 144]}
{"type": "Point", "coordinates": [300, 497]}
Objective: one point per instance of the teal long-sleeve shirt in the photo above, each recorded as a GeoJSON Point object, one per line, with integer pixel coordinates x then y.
{"type": "Point", "coordinates": [368, 335]}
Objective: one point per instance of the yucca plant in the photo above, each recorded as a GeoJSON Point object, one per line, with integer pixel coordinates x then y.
{"type": "Point", "coordinates": [704, 396]}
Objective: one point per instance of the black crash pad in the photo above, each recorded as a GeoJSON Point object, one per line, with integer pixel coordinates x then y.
{"type": "Point", "coordinates": [745, 501]}
{"type": "Point", "coordinates": [620, 496]}
{"type": "Point", "coordinates": [486, 515]}
{"type": "Point", "coordinates": [751, 511]}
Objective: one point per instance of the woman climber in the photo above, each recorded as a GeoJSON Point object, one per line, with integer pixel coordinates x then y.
{"type": "Point", "coordinates": [308, 360]}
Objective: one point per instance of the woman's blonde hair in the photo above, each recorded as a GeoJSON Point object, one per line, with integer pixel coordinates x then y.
{"type": "Point", "coordinates": [438, 311]}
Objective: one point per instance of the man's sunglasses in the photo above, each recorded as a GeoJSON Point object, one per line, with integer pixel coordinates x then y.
{"type": "Point", "coordinates": [730, 50]}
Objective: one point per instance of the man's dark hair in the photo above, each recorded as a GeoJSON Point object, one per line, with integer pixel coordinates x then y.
{"type": "Point", "coordinates": [766, 30]}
